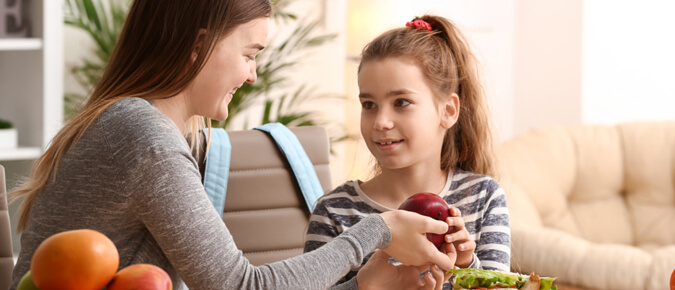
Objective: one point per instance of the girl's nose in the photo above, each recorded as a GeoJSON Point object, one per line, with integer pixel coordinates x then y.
{"type": "Point", "coordinates": [383, 120]}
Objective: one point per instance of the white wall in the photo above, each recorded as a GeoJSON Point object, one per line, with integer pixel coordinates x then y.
{"type": "Point", "coordinates": [547, 64]}
{"type": "Point", "coordinates": [628, 61]}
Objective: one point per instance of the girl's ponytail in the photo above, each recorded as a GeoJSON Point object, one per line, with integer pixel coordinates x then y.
{"type": "Point", "coordinates": [468, 144]}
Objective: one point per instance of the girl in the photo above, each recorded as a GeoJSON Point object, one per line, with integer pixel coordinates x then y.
{"type": "Point", "coordinates": [424, 119]}
{"type": "Point", "coordinates": [123, 167]}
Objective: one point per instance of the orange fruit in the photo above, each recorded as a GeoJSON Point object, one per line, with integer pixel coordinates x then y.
{"type": "Point", "coordinates": [78, 260]}
{"type": "Point", "coordinates": [672, 280]}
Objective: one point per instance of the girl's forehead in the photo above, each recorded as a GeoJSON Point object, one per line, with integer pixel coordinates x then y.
{"type": "Point", "coordinates": [397, 69]}
{"type": "Point", "coordinates": [392, 77]}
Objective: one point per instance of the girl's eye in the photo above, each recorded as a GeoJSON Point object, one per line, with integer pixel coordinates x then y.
{"type": "Point", "coordinates": [250, 57]}
{"type": "Point", "coordinates": [367, 105]}
{"type": "Point", "coordinates": [402, 102]}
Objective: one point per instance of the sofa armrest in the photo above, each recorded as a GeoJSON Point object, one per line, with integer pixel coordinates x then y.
{"type": "Point", "coordinates": [522, 212]}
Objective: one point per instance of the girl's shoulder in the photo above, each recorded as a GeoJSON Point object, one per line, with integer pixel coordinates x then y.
{"type": "Point", "coordinates": [346, 200]}
{"type": "Point", "coordinates": [471, 192]}
{"type": "Point", "coordinates": [345, 190]}
{"type": "Point", "coordinates": [462, 180]}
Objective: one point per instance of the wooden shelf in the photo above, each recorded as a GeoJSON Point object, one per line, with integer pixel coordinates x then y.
{"type": "Point", "coordinates": [21, 153]}
{"type": "Point", "coordinates": [20, 43]}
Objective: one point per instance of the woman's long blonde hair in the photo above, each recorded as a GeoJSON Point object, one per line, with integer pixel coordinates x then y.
{"type": "Point", "coordinates": [152, 60]}
{"type": "Point", "coordinates": [445, 58]}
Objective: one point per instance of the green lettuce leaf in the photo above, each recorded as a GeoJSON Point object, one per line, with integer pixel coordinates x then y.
{"type": "Point", "coordinates": [477, 278]}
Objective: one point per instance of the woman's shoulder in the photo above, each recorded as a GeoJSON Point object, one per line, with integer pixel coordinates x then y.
{"type": "Point", "coordinates": [136, 118]}
{"type": "Point", "coordinates": [134, 124]}
{"type": "Point", "coordinates": [133, 112]}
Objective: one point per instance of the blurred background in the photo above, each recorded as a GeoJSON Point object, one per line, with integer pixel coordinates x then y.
{"type": "Point", "coordinates": [544, 63]}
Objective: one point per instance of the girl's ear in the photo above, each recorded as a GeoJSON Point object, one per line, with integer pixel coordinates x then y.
{"type": "Point", "coordinates": [199, 44]}
{"type": "Point", "coordinates": [450, 111]}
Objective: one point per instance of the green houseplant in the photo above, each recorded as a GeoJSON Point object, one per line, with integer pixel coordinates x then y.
{"type": "Point", "coordinates": [8, 135]}
{"type": "Point", "coordinates": [4, 124]}
{"type": "Point", "coordinates": [103, 22]}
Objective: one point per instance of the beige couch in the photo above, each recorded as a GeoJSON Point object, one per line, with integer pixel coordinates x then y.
{"type": "Point", "coordinates": [593, 205]}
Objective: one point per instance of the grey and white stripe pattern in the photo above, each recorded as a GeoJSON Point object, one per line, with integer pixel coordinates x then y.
{"type": "Point", "coordinates": [480, 199]}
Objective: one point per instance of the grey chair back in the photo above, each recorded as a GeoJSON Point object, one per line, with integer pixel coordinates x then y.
{"type": "Point", "coordinates": [6, 258]}
{"type": "Point", "coordinates": [264, 208]}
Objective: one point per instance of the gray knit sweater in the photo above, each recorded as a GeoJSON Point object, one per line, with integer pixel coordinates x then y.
{"type": "Point", "coordinates": [132, 177]}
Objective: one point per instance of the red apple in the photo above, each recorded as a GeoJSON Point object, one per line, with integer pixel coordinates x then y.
{"type": "Point", "coordinates": [141, 276]}
{"type": "Point", "coordinates": [430, 205]}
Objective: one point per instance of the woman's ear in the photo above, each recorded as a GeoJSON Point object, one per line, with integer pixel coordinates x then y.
{"type": "Point", "coordinates": [450, 111]}
{"type": "Point", "coordinates": [199, 44]}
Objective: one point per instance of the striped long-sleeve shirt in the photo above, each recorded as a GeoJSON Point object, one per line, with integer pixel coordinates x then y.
{"type": "Point", "coordinates": [480, 199]}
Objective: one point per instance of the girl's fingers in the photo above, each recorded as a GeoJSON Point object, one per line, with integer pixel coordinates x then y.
{"type": "Point", "coordinates": [457, 236]}
{"type": "Point", "coordinates": [468, 246]}
{"type": "Point", "coordinates": [456, 222]}
{"type": "Point", "coordinates": [438, 276]}
{"type": "Point", "coordinates": [419, 269]}
{"type": "Point", "coordinates": [429, 281]}
{"type": "Point", "coordinates": [455, 212]}
{"type": "Point", "coordinates": [449, 249]}
{"type": "Point", "coordinates": [446, 277]}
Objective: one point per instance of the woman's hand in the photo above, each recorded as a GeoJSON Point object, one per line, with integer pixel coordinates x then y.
{"type": "Point", "coordinates": [409, 244]}
{"type": "Point", "coordinates": [378, 273]}
{"type": "Point", "coordinates": [461, 239]}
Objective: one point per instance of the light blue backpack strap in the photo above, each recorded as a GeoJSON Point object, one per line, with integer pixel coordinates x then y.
{"type": "Point", "coordinates": [217, 168]}
{"type": "Point", "coordinates": [300, 164]}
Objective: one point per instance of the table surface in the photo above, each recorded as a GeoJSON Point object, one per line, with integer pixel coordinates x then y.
{"type": "Point", "coordinates": [568, 287]}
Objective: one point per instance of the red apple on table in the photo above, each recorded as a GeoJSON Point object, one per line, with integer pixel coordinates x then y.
{"type": "Point", "coordinates": [430, 205]}
{"type": "Point", "coordinates": [141, 276]}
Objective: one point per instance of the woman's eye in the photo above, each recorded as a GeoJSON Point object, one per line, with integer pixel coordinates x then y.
{"type": "Point", "coordinates": [367, 105]}
{"type": "Point", "coordinates": [402, 102]}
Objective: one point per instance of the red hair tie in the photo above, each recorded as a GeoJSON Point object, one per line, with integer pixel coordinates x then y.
{"type": "Point", "coordinates": [419, 24]}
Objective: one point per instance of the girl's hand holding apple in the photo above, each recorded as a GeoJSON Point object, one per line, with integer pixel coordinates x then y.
{"type": "Point", "coordinates": [461, 239]}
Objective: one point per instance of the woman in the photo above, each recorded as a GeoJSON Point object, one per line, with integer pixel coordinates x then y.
{"type": "Point", "coordinates": [122, 165]}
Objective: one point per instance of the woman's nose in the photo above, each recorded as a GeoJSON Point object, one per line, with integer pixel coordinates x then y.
{"type": "Point", "coordinates": [253, 76]}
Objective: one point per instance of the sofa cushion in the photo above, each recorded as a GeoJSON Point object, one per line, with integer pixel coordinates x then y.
{"type": "Point", "coordinates": [649, 152]}
{"type": "Point", "coordinates": [542, 165]}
